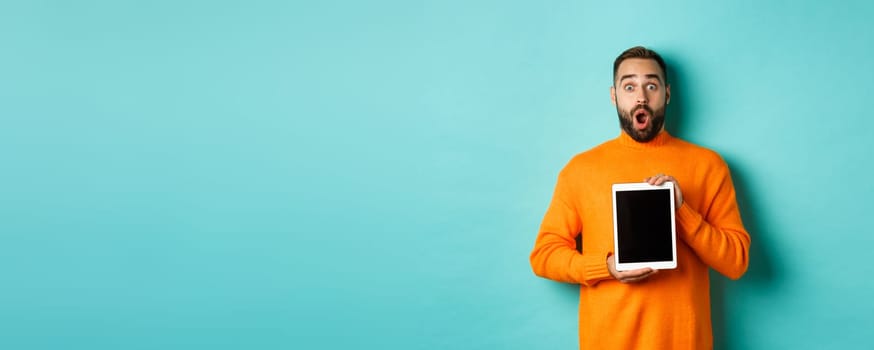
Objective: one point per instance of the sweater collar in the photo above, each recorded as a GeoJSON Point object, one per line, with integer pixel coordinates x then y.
{"type": "Point", "coordinates": [660, 140]}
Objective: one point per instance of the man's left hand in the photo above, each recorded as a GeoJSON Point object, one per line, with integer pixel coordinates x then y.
{"type": "Point", "coordinates": [662, 178]}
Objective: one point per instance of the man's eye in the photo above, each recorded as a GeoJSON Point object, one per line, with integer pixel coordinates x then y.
{"type": "Point", "coordinates": [651, 87]}
{"type": "Point", "coordinates": [629, 88]}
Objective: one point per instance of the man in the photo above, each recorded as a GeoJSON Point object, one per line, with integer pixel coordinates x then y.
{"type": "Point", "coordinates": [645, 308]}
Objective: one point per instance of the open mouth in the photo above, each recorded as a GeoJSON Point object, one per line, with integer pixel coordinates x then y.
{"type": "Point", "coordinates": [641, 118]}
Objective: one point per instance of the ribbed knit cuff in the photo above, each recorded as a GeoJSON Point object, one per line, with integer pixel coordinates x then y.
{"type": "Point", "coordinates": [592, 268]}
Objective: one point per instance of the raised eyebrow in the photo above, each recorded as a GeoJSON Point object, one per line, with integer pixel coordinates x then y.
{"type": "Point", "coordinates": [626, 77]}
{"type": "Point", "coordinates": [648, 76]}
{"type": "Point", "coordinates": [654, 76]}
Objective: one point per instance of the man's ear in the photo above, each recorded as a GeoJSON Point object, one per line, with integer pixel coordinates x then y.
{"type": "Point", "coordinates": [613, 95]}
{"type": "Point", "coordinates": [668, 94]}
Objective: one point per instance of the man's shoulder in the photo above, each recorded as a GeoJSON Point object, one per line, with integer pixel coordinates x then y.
{"type": "Point", "coordinates": [593, 154]}
{"type": "Point", "coordinates": [591, 158]}
{"type": "Point", "coordinates": [698, 152]}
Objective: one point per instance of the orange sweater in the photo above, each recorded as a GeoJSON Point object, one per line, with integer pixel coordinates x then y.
{"type": "Point", "coordinates": [670, 310]}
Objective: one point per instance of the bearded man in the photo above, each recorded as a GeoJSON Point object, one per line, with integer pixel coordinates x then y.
{"type": "Point", "coordinates": [644, 308]}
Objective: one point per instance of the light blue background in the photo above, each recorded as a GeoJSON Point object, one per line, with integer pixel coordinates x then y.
{"type": "Point", "coordinates": [372, 175]}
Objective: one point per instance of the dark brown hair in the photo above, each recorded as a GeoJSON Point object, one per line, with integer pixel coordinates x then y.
{"type": "Point", "coordinates": [640, 52]}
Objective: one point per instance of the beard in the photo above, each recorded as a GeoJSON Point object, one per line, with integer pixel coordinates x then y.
{"type": "Point", "coordinates": [657, 120]}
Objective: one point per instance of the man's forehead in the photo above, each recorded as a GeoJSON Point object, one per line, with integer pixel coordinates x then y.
{"type": "Point", "coordinates": [638, 68]}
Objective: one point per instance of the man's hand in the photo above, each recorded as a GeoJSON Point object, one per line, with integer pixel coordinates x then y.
{"type": "Point", "coordinates": [659, 179]}
{"type": "Point", "coordinates": [631, 276]}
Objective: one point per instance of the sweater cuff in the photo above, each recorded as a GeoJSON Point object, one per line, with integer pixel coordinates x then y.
{"type": "Point", "coordinates": [592, 268]}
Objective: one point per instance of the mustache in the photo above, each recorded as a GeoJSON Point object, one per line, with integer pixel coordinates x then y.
{"type": "Point", "coordinates": [643, 107]}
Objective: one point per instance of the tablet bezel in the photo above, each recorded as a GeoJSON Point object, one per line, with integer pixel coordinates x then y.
{"type": "Point", "coordinates": [658, 265]}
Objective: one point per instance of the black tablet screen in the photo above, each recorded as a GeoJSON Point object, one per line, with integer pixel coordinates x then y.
{"type": "Point", "coordinates": [643, 220]}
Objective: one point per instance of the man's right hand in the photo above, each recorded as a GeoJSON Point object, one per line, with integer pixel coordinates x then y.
{"type": "Point", "coordinates": [630, 276]}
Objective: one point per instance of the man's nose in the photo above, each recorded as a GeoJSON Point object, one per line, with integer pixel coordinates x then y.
{"type": "Point", "coordinates": [641, 97]}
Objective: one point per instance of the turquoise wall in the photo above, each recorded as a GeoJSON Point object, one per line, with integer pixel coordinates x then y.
{"type": "Point", "coordinates": [372, 175]}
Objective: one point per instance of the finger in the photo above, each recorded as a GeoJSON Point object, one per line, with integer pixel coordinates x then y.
{"type": "Point", "coordinates": [635, 273]}
{"type": "Point", "coordinates": [661, 179]}
{"type": "Point", "coordinates": [655, 179]}
{"type": "Point", "coordinates": [638, 278]}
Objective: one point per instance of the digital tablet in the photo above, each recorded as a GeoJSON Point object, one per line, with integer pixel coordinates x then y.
{"type": "Point", "coordinates": [644, 226]}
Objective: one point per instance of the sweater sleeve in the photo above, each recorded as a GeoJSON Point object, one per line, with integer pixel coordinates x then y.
{"type": "Point", "coordinates": [555, 256]}
{"type": "Point", "coordinates": [719, 237]}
